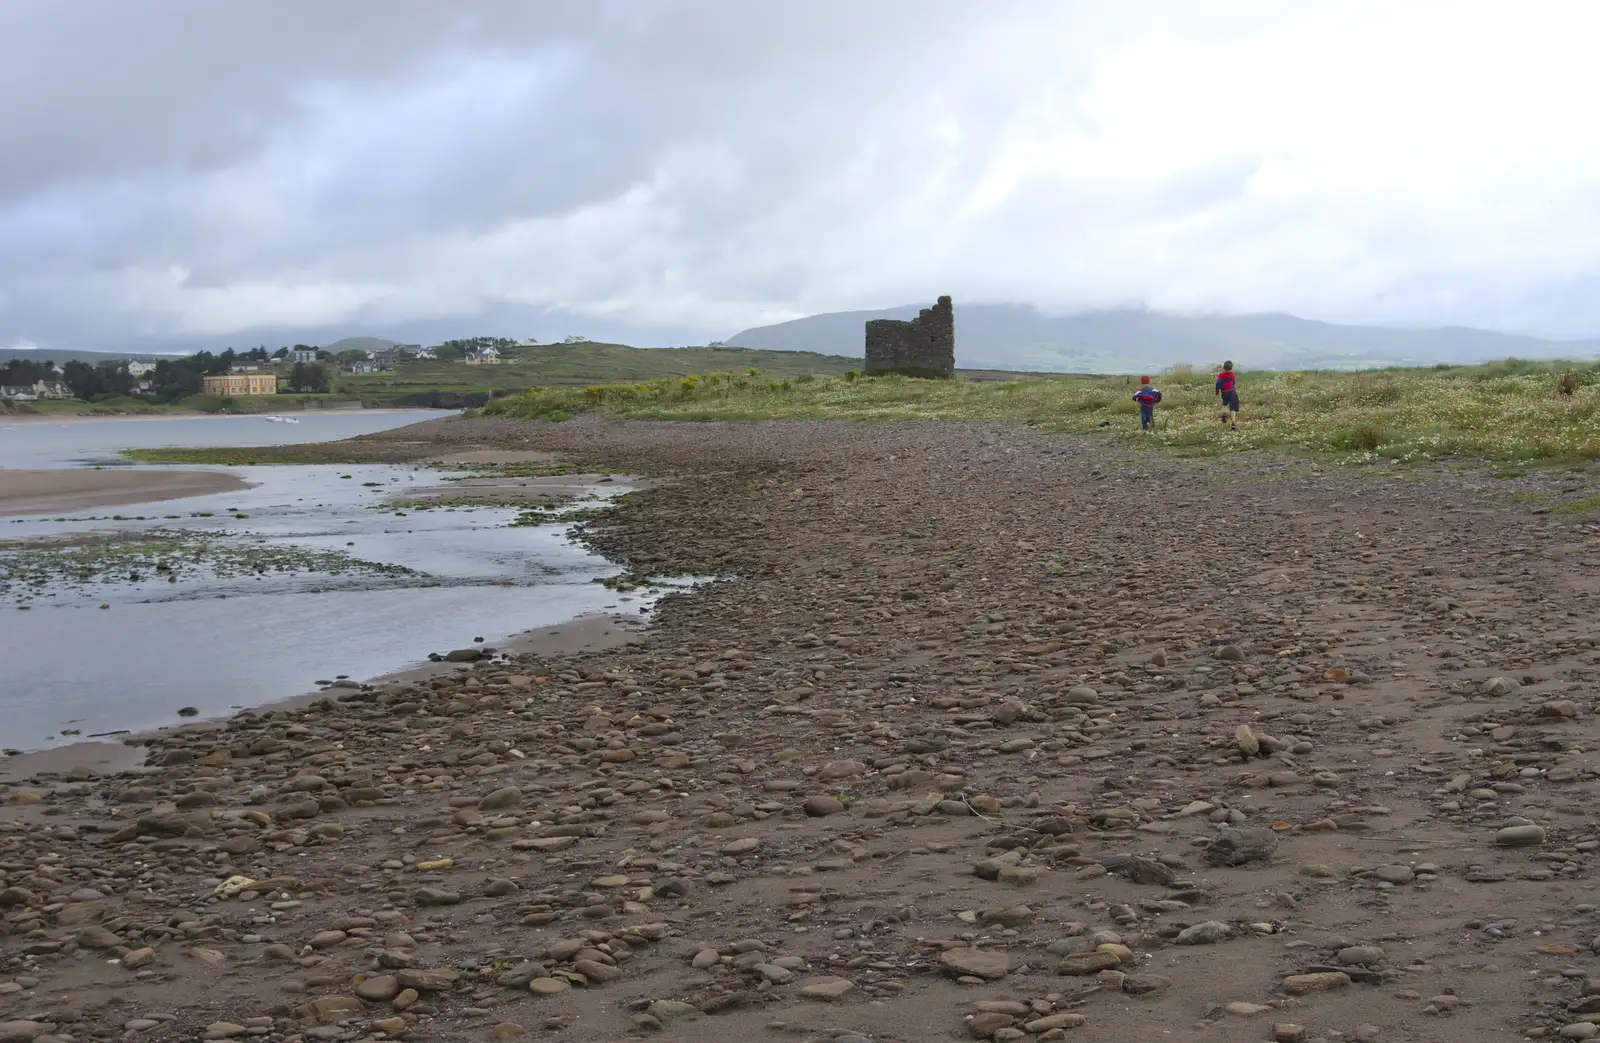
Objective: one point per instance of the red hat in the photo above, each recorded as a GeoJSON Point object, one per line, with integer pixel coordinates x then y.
{"type": "Point", "coordinates": [1144, 380]}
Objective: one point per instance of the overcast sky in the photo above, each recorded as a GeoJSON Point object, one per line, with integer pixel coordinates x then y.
{"type": "Point", "coordinates": [194, 172]}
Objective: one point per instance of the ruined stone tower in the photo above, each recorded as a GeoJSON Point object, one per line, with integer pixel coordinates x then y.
{"type": "Point", "coordinates": [923, 347]}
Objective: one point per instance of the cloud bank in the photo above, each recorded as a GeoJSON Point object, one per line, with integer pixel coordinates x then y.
{"type": "Point", "coordinates": [668, 171]}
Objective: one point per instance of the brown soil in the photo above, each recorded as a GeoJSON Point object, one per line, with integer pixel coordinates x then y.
{"type": "Point", "coordinates": [976, 717]}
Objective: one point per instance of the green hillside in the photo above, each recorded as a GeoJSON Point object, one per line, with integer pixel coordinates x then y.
{"type": "Point", "coordinates": [64, 356]}
{"type": "Point", "coordinates": [358, 344]}
{"type": "Point", "coordinates": [567, 365]}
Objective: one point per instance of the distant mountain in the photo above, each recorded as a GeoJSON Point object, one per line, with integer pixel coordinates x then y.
{"type": "Point", "coordinates": [359, 344]}
{"type": "Point", "coordinates": [61, 358]}
{"type": "Point", "coordinates": [1019, 336]}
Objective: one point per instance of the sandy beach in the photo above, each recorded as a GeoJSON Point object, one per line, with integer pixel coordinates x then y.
{"type": "Point", "coordinates": [66, 491]}
{"type": "Point", "coordinates": [981, 738]}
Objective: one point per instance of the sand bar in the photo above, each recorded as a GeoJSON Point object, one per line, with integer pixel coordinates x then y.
{"type": "Point", "coordinates": [53, 492]}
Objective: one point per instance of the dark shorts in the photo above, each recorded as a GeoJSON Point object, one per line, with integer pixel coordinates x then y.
{"type": "Point", "coordinates": [1231, 400]}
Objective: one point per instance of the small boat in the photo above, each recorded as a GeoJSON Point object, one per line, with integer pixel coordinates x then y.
{"type": "Point", "coordinates": [283, 419]}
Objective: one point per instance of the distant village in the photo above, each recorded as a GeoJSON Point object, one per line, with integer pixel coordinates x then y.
{"type": "Point", "coordinates": [297, 369]}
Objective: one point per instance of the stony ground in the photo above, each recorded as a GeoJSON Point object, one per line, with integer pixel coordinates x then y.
{"type": "Point", "coordinates": [985, 735]}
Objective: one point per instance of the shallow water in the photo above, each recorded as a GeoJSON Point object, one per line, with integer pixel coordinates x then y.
{"type": "Point", "coordinates": [67, 665]}
{"type": "Point", "coordinates": [71, 443]}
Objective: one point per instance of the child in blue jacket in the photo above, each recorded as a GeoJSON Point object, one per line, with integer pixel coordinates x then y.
{"type": "Point", "coordinates": [1147, 397]}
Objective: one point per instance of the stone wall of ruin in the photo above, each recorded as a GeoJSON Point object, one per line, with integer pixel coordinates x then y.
{"type": "Point", "coordinates": [925, 346]}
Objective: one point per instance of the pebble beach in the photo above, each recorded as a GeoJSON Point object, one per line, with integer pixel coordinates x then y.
{"type": "Point", "coordinates": [977, 734]}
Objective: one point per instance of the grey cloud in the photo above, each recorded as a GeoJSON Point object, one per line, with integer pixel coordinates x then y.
{"type": "Point", "coordinates": [188, 84]}
{"type": "Point", "coordinates": [178, 170]}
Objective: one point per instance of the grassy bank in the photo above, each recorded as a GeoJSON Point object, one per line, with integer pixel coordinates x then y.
{"type": "Point", "coordinates": [352, 451]}
{"type": "Point", "coordinates": [128, 405]}
{"type": "Point", "coordinates": [280, 403]}
{"type": "Point", "coordinates": [122, 405]}
{"type": "Point", "coordinates": [1507, 410]}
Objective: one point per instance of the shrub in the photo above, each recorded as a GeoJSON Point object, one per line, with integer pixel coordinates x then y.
{"type": "Point", "coordinates": [1568, 384]}
{"type": "Point", "coordinates": [1375, 391]}
{"type": "Point", "coordinates": [1366, 436]}
{"type": "Point", "coordinates": [850, 375]}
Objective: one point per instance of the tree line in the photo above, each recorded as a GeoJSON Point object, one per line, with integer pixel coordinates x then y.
{"type": "Point", "coordinates": [172, 379]}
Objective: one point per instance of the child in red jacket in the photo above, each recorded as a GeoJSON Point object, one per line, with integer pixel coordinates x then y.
{"type": "Point", "coordinates": [1147, 397]}
{"type": "Point", "coordinates": [1228, 391]}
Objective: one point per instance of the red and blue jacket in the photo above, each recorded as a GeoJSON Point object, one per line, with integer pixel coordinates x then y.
{"type": "Point", "coordinates": [1147, 396]}
{"type": "Point", "coordinates": [1226, 381]}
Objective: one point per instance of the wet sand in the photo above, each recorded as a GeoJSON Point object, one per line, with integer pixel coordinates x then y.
{"type": "Point", "coordinates": [63, 491]}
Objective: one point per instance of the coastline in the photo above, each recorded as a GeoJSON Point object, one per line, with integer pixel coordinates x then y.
{"type": "Point", "coordinates": [590, 632]}
{"type": "Point", "coordinates": [57, 491]}
{"type": "Point", "coordinates": [963, 739]}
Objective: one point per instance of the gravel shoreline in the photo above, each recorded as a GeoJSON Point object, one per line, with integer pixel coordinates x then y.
{"type": "Point", "coordinates": [984, 735]}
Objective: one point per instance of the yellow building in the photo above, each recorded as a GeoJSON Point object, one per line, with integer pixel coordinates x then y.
{"type": "Point", "coordinates": [234, 384]}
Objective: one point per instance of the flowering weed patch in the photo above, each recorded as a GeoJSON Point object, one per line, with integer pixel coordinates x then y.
{"type": "Point", "coordinates": [1504, 410]}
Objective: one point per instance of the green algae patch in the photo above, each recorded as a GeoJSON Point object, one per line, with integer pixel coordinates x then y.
{"type": "Point", "coordinates": [34, 567]}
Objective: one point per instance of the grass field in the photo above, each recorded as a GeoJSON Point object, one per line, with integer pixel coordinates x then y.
{"type": "Point", "coordinates": [564, 365]}
{"type": "Point", "coordinates": [1509, 410]}
{"type": "Point", "coordinates": [589, 364]}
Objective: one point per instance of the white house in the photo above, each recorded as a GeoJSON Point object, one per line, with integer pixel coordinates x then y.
{"type": "Point", "coordinates": [35, 391]}
{"type": "Point", "coordinates": [138, 368]}
{"type": "Point", "coordinates": [302, 355]}
{"type": "Point", "coordinates": [483, 357]}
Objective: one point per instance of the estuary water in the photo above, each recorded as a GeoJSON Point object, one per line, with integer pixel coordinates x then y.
{"type": "Point", "coordinates": [231, 600]}
{"type": "Point", "coordinates": [77, 442]}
